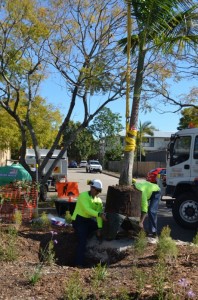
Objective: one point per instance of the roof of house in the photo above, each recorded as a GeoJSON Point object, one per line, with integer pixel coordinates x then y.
{"type": "Point", "coordinates": [156, 134]}
{"type": "Point", "coordinates": [160, 134]}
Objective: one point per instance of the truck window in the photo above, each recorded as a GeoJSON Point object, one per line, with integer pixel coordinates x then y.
{"type": "Point", "coordinates": [181, 150]}
{"type": "Point", "coordinates": [195, 153]}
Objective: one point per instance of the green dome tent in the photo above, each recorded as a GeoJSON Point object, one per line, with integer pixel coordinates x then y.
{"type": "Point", "coordinates": [15, 172]}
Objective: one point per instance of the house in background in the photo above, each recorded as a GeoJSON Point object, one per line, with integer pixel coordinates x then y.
{"type": "Point", "coordinates": [155, 154]}
{"type": "Point", "coordinates": [159, 141]}
{"type": "Point", "coordinates": [155, 146]}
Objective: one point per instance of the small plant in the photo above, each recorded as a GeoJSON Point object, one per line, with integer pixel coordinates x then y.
{"type": "Point", "coordinates": [74, 288]}
{"type": "Point", "coordinates": [99, 274]}
{"type": "Point", "coordinates": [68, 217]}
{"type": "Point", "coordinates": [140, 278]}
{"type": "Point", "coordinates": [48, 253]}
{"type": "Point", "coordinates": [123, 294]}
{"type": "Point", "coordinates": [159, 278]}
{"type": "Point", "coordinates": [166, 247]}
{"type": "Point", "coordinates": [51, 202]}
{"type": "Point", "coordinates": [36, 276]}
{"type": "Point", "coordinates": [17, 218]}
{"type": "Point", "coordinates": [8, 248]}
{"type": "Point", "coordinates": [195, 239]}
{"type": "Point", "coordinates": [45, 222]}
{"type": "Point", "coordinates": [41, 223]}
{"type": "Point", "coordinates": [140, 243]}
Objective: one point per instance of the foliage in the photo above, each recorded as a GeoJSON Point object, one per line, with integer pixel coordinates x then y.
{"type": "Point", "coordinates": [106, 124]}
{"type": "Point", "coordinates": [114, 149]}
{"type": "Point", "coordinates": [74, 288]}
{"type": "Point", "coordinates": [166, 248]}
{"type": "Point", "coordinates": [47, 257]}
{"type": "Point", "coordinates": [41, 223]}
{"type": "Point", "coordinates": [68, 218]}
{"type": "Point", "coordinates": [84, 146]}
{"type": "Point", "coordinates": [99, 274]}
{"type": "Point", "coordinates": [140, 243]}
{"type": "Point", "coordinates": [36, 276]}
{"type": "Point", "coordinates": [38, 37]}
{"type": "Point", "coordinates": [18, 218]}
{"type": "Point", "coordinates": [140, 278]}
{"type": "Point", "coordinates": [159, 279]}
{"type": "Point", "coordinates": [45, 120]}
{"type": "Point", "coordinates": [189, 118]}
{"type": "Point", "coordinates": [195, 239]}
{"type": "Point", "coordinates": [48, 254]}
{"type": "Point", "coordinates": [8, 249]}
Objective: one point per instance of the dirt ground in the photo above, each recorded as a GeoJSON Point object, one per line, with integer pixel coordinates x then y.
{"type": "Point", "coordinates": [132, 277]}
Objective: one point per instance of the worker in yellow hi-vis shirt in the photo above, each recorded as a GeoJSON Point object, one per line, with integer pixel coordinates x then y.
{"type": "Point", "coordinates": [87, 218]}
{"type": "Point", "coordinates": [149, 204]}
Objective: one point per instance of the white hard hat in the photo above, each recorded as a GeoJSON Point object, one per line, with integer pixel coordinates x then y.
{"type": "Point", "coordinates": [96, 183]}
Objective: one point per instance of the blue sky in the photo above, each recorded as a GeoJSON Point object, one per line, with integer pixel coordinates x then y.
{"type": "Point", "coordinates": [53, 92]}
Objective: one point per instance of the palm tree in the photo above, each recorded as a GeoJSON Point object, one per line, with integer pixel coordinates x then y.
{"type": "Point", "coordinates": [143, 128]}
{"type": "Point", "coordinates": [161, 25]}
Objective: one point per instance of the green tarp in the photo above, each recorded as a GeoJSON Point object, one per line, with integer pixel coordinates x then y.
{"type": "Point", "coordinates": [15, 172]}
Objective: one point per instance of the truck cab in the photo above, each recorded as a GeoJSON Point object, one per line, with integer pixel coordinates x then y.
{"type": "Point", "coordinates": [182, 176]}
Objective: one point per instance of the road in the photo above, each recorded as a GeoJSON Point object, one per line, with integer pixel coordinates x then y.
{"type": "Point", "coordinates": [164, 214]}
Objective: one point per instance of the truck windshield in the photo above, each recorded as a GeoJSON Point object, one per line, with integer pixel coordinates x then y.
{"type": "Point", "coordinates": [195, 154]}
{"type": "Point", "coordinates": [180, 152]}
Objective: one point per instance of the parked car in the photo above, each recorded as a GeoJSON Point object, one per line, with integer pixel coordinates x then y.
{"type": "Point", "coordinates": [83, 164]}
{"type": "Point", "coordinates": [152, 175]}
{"type": "Point", "coordinates": [93, 166]}
{"type": "Point", "coordinates": [161, 181]}
{"type": "Point", "coordinates": [73, 164]}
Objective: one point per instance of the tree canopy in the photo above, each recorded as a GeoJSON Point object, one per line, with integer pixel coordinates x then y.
{"type": "Point", "coordinates": [189, 118]}
{"type": "Point", "coordinates": [84, 145]}
{"type": "Point", "coordinates": [106, 124]}
{"type": "Point", "coordinates": [76, 38]}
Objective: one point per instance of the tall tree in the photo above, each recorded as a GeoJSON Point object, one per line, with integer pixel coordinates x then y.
{"type": "Point", "coordinates": [107, 127]}
{"type": "Point", "coordinates": [77, 38]}
{"type": "Point", "coordinates": [160, 25]}
{"type": "Point", "coordinates": [23, 30]}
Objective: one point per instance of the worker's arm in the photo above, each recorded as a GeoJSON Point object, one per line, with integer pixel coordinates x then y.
{"type": "Point", "coordinates": [142, 218]}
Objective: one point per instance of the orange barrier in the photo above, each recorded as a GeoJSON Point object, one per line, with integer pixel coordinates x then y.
{"type": "Point", "coordinates": [67, 190]}
{"type": "Point", "coordinates": [16, 198]}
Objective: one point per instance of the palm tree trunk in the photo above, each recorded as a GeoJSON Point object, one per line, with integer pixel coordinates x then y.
{"type": "Point", "coordinates": [128, 161]}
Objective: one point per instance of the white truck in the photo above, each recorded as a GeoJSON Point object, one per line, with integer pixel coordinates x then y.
{"type": "Point", "coordinates": [58, 173]}
{"type": "Point", "coordinates": [182, 177]}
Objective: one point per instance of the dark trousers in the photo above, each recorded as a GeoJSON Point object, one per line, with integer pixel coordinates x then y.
{"type": "Point", "coordinates": [84, 227]}
{"type": "Point", "coordinates": [152, 212]}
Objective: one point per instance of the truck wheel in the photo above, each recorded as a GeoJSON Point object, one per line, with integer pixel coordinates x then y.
{"type": "Point", "coordinates": [185, 211]}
